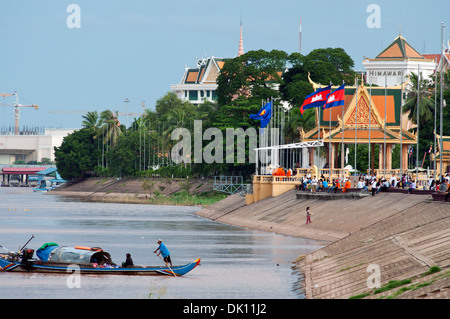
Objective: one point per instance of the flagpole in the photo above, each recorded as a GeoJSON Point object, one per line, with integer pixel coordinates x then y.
{"type": "Point", "coordinates": [401, 127]}
{"type": "Point", "coordinates": [417, 111]}
{"type": "Point", "coordinates": [435, 106]}
{"type": "Point", "coordinates": [370, 116]}
{"type": "Point", "coordinates": [318, 134]}
{"type": "Point", "coordinates": [342, 146]}
{"type": "Point", "coordinates": [356, 117]}
{"type": "Point", "coordinates": [441, 101]}
{"type": "Point", "coordinates": [384, 145]}
{"type": "Point", "coordinates": [329, 144]}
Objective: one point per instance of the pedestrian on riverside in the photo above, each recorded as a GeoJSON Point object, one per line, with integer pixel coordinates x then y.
{"type": "Point", "coordinates": [308, 216]}
{"type": "Point", "coordinates": [164, 252]}
{"type": "Point", "coordinates": [314, 183]}
{"type": "Point", "coordinates": [374, 187]}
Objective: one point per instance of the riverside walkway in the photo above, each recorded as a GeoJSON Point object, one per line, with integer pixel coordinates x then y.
{"type": "Point", "coordinates": [404, 235]}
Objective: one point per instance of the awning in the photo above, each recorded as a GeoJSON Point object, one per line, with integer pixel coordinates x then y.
{"type": "Point", "coordinates": [47, 171]}
{"type": "Point", "coordinates": [22, 170]}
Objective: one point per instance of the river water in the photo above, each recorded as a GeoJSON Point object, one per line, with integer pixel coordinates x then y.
{"type": "Point", "coordinates": [236, 263]}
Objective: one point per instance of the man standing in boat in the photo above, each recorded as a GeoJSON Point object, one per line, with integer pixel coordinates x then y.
{"type": "Point", "coordinates": [164, 252]}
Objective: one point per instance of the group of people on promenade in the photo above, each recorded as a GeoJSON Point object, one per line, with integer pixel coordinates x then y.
{"type": "Point", "coordinates": [371, 184]}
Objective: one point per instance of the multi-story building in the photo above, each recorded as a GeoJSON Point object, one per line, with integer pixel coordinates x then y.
{"type": "Point", "coordinates": [199, 84]}
{"type": "Point", "coordinates": [398, 58]}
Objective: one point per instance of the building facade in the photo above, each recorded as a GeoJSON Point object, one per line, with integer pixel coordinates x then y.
{"type": "Point", "coordinates": [398, 58]}
{"type": "Point", "coordinates": [199, 84]}
{"type": "Point", "coordinates": [30, 148]}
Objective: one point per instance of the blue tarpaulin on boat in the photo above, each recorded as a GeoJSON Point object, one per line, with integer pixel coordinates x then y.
{"type": "Point", "coordinates": [45, 250]}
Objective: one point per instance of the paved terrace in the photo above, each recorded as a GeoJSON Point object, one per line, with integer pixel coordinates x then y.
{"type": "Point", "coordinates": [403, 234]}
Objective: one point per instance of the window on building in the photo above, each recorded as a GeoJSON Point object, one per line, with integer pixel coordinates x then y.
{"type": "Point", "coordinates": [193, 95]}
{"type": "Point", "coordinates": [214, 95]}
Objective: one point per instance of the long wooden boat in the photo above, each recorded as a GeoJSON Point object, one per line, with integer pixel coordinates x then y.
{"type": "Point", "coordinates": [85, 260]}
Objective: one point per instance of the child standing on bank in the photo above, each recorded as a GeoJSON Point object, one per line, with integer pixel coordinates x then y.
{"type": "Point", "coordinates": [308, 216]}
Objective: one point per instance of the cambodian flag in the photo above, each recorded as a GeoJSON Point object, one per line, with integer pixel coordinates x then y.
{"type": "Point", "coordinates": [264, 114]}
{"type": "Point", "coordinates": [336, 98]}
{"type": "Point", "coordinates": [316, 99]}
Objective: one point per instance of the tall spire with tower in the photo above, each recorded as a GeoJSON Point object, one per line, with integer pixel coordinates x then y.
{"type": "Point", "coordinates": [241, 43]}
{"type": "Point", "coordinates": [300, 38]}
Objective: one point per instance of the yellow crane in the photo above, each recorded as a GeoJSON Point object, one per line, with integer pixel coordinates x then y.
{"type": "Point", "coordinates": [17, 107]}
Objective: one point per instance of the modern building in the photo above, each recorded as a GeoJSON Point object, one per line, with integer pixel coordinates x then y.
{"type": "Point", "coordinates": [30, 148]}
{"type": "Point", "coordinates": [398, 58]}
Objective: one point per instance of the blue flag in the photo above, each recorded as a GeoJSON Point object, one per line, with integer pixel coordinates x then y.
{"type": "Point", "coordinates": [264, 114]}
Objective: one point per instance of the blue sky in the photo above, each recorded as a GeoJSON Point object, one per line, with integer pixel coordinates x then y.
{"type": "Point", "coordinates": [137, 49]}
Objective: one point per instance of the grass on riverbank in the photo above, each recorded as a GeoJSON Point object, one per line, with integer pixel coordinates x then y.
{"type": "Point", "coordinates": [183, 198]}
{"type": "Point", "coordinates": [405, 285]}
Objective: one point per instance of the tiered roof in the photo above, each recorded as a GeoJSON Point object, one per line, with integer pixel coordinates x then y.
{"type": "Point", "coordinates": [207, 71]}
{"type": "Point", "coordinates": [370, 115]}
{"type": "Point", "coordinates": [399, 49]}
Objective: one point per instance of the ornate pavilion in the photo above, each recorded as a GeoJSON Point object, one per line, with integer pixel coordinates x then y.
{"type": "Point", "coordinates": [362, 117]}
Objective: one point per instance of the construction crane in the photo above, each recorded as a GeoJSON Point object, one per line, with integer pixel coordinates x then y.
{"type": "Point", "coordinates": [85, 112]}
{"type": "Point", "coordinates": [17, 107]}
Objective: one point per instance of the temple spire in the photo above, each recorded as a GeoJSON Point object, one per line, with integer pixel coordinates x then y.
{"type": "Point", "coordinates": [241, 43]}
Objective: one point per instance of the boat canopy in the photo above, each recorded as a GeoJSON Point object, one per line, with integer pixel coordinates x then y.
{"type": "Point", "coordinates": [45, 250]}
{"type": "Point", "coordinates": [80, 256]}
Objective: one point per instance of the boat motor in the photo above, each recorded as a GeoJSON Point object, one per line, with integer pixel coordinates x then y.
{"type": "Point", "coordinates": [26, 254]}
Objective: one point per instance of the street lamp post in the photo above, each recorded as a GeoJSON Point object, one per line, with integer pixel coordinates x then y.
{"type": "Point", "coordinates": [126, 114]}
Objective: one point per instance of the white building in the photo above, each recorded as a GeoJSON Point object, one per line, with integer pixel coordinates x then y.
{"type": "Point", "coordinates": [199, 84]}
{"type": "Point", "coordinates": [398, 57]}
{"type": "Point", "coordinates": [31, 147]}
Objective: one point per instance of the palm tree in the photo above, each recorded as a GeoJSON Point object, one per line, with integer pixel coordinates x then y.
{"type": "Point", "coordinates": [297, 122]}
{"type": "Point", "coordinates": [426, 102]}
{"type": "Point", "coordinates": [90, 120]}
{"type": "Point", "coordinates": [111, 129]}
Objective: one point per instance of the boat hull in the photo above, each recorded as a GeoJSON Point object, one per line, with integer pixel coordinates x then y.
{"type": "Point", "coordinates": [61, 267]}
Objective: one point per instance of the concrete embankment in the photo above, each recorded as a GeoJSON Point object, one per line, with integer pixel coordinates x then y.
{"type": "Point", "coordinates": [390, 237]}
{"type": "Point", "coordinates": [130, 190]}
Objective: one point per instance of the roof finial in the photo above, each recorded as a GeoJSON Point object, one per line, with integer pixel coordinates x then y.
{"type": "Point", "coordinates": [241, 43]}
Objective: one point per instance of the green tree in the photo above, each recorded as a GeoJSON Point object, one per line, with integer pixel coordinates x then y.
{"type": "Point", "coordinates": [253, 75]}
{"type": "Point", "coordinates": [426, 100]}
{"type": "Point", "coordinates": [77, 155]}
{"type": "Point", "coordinates": [331, 65]}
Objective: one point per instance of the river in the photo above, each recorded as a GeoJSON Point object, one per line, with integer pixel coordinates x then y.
{"type": "Point", "coordinates": [236, 263]}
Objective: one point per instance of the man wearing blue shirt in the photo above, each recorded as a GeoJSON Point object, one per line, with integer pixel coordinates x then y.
{"type": "Point", "coordinates": [164, 252]}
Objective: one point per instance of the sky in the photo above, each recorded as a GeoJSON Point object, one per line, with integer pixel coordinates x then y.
{"type": "Point", "coordinates": [136, 49]}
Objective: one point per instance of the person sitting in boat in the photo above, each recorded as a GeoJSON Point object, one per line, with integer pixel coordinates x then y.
{"type": "Point", "coordinates": [164, 252]}
{"type": "Point", "coordinates": [128, 263]}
